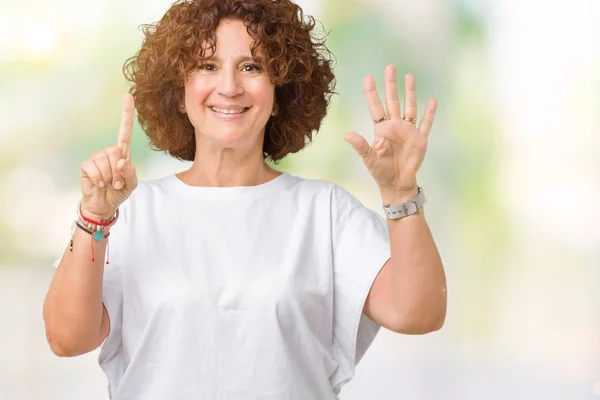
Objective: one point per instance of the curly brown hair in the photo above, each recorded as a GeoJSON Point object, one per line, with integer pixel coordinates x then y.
{"type": "Point", "coordinates": [297, 63]}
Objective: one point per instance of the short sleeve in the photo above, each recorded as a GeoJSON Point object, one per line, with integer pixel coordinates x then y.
{"type": "Point", "coordinates": [361, 247]}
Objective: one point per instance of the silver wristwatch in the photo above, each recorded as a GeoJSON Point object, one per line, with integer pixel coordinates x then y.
{"type": "Point", "coordinates": [407, 208]}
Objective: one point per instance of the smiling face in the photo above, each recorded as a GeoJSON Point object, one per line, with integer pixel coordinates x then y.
{"type": "Point", "coordinates": [229, 98]}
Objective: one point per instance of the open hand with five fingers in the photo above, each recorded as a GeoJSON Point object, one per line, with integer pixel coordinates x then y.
{"type": "Point", "coordinates": [107, 178]}
{"type": "Point", "coordinates": [399, 147]}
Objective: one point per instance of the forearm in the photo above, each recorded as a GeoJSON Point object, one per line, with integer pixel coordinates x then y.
{"type": "Point", "coordinates": [73, 306]}
{"type": "Point", "coordinates": [418, 274]}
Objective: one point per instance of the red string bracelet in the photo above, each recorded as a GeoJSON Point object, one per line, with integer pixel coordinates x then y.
{"type": "Point", "coordinates": [97, 230]}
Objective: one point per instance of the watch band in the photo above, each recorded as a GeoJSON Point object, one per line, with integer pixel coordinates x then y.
{"type": "Point", "coordinates": [407, 208]}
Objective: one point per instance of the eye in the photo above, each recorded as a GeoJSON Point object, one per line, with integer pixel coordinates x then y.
{"type": "Point", "coordinates": [207, 67]}
{"type": "Point", "coordinates": [251, 68]}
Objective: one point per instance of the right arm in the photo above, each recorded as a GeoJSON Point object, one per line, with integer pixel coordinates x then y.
{"type": "Point", "coordinates": [75, 318]}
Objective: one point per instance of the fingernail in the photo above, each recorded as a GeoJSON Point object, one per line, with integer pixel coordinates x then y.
{"type": "Point", "coordinates": [101, 184]}
{"type": "Point", "coordinates": [117, 184]}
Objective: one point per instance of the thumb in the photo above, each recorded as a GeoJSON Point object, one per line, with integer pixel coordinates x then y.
{"type": "Point", "coordinates": [359, 143]}
{"type": "Point", "coordinates": [128, 172]}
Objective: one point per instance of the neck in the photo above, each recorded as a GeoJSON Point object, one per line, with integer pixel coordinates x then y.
{"type": "Point", "coordinates": [228, 167]}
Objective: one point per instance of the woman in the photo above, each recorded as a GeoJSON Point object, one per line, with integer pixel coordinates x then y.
{"type": "Point", "coordinates": [232, 280]}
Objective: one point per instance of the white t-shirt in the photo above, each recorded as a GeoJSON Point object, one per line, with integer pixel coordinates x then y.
{"type": "Point", "coordinates": [239, 293]}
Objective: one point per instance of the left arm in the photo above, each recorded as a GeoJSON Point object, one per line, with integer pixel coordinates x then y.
{"type": "Point", "coordinates": [409, 294]}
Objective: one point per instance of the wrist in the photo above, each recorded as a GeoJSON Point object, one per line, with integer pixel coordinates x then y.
{"type": "Point", "coordinates": [395, 195]}
{"type": "Point", "coordinates": [97, 217]}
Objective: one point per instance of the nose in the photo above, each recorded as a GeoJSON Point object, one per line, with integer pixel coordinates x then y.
{"type": "Point", "coordinates": [229, 83]}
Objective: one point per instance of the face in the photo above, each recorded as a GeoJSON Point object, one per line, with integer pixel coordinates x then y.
{"type": "Point", "coordinates": [229, 98]}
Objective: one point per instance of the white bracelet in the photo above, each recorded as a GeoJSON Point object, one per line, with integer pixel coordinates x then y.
{"type": "Point", "coordinates": [407, 208]}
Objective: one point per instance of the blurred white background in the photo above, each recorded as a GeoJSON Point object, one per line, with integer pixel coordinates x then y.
{"type": "Point", "coordinates": [512, 178]}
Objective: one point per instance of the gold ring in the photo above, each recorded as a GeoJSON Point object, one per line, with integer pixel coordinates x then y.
{"type": "Point", "coordinates": [376, 121]}
{"type": "Point", "coordinates": [411, 120]}
{"type": "Point", "coordinates": [366, 154]}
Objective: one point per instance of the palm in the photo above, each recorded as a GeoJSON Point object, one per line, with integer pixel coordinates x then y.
{"type": "Point", "coordinates": [399, 148]}
{"type": "Point", "coordinates": [394, 162]}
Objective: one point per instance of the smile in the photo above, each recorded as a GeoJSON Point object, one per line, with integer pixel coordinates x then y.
{"type": "Point", "coordinates": [229, 110]}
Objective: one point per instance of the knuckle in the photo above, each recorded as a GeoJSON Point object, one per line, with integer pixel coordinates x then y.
{"type": "Point", "coordinates": [113, 150]}
{"type": "Point", "coordinates": [99, 155]}
{"type": "Point", "coordinates": [90, 167]}
{"type": "Point", "coordinates": [106, 171]}
{"type": "Point", "coordinates": [114, 155]}
{"type": "Point", "coordinates": [99, 163]}
{"type": "Point", "coordinates": [94, 174]}
{"type": "Point", "coordinates": [85, 164]}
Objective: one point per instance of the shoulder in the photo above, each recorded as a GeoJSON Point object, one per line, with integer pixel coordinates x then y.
{"type": "Point", "coordinates": [310, 185]}
{"type": "Point", "coordinates": [340, 199]}
{"type": "Point", "coordinates": [147, 192]}
{"type": "Point", "coordinates": [321, 189]}
{"type": "Point", "coordinates": [154, 186]}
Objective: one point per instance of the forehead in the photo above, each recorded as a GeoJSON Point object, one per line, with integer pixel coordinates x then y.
{"type": "Point", "coordinates": [233, 38]}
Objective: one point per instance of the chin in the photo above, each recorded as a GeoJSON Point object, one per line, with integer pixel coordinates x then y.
{"type": "Point", "coordinates": [231, 139]}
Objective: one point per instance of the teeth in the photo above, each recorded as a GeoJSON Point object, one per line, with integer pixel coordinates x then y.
{"type": "Point", "coordinates": [228, 110]}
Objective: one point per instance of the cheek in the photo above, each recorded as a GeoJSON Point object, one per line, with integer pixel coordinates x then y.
{"type": "Point", "coordinates": [263, 93]}
{"type": "Point", "coordinates": [196, 90]}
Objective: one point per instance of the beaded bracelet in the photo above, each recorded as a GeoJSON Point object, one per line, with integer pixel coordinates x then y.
{"type": "Point", "coordinates": [86, 230]}
{"type": "Point", "coordinates": [97, 230]}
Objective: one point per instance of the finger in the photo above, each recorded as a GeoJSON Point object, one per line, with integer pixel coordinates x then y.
{"type": "Point", "coordinates": [359, 143]}
{"type": "Point", "coordinates": [114, 155]}
{"type": "Point", "coordinates": [427, 121]}
{"type": "Point", "coordinates": [89, 171]}
{"type": "Point", "coordinates": [103, 164]}
{"type": "Point", "coordinates": [128, 173]}
{"type": "Point", "coordinates": [392, 101]}
{"type": "Point", "coordinates": [126, 125]}
{"type": "Point", "coordinates": [375, 107]}
{"type": "Point", "coordinates": [410, 96]}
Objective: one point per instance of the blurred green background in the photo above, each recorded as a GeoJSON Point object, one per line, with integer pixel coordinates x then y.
{"type": "Point", "coordinates": [512, 176]}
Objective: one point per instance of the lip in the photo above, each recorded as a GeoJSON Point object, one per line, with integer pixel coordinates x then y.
{"type": "Point", "coordinates": [227, 106]}
{"type": "Point", "coordinates": [227, 117]}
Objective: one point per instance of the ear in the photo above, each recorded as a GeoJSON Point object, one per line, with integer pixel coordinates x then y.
{"type": "Point", "coordinates": [182, 108]}
{"type": "Point", "coordinates": [275, 109]}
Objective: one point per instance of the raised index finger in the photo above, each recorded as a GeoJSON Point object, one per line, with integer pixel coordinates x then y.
{"type": "Point", "coordinates": [126, 125]}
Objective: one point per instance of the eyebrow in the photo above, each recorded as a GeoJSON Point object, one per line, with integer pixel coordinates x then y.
{"type": "Point", "coordinates": [237, 60]}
